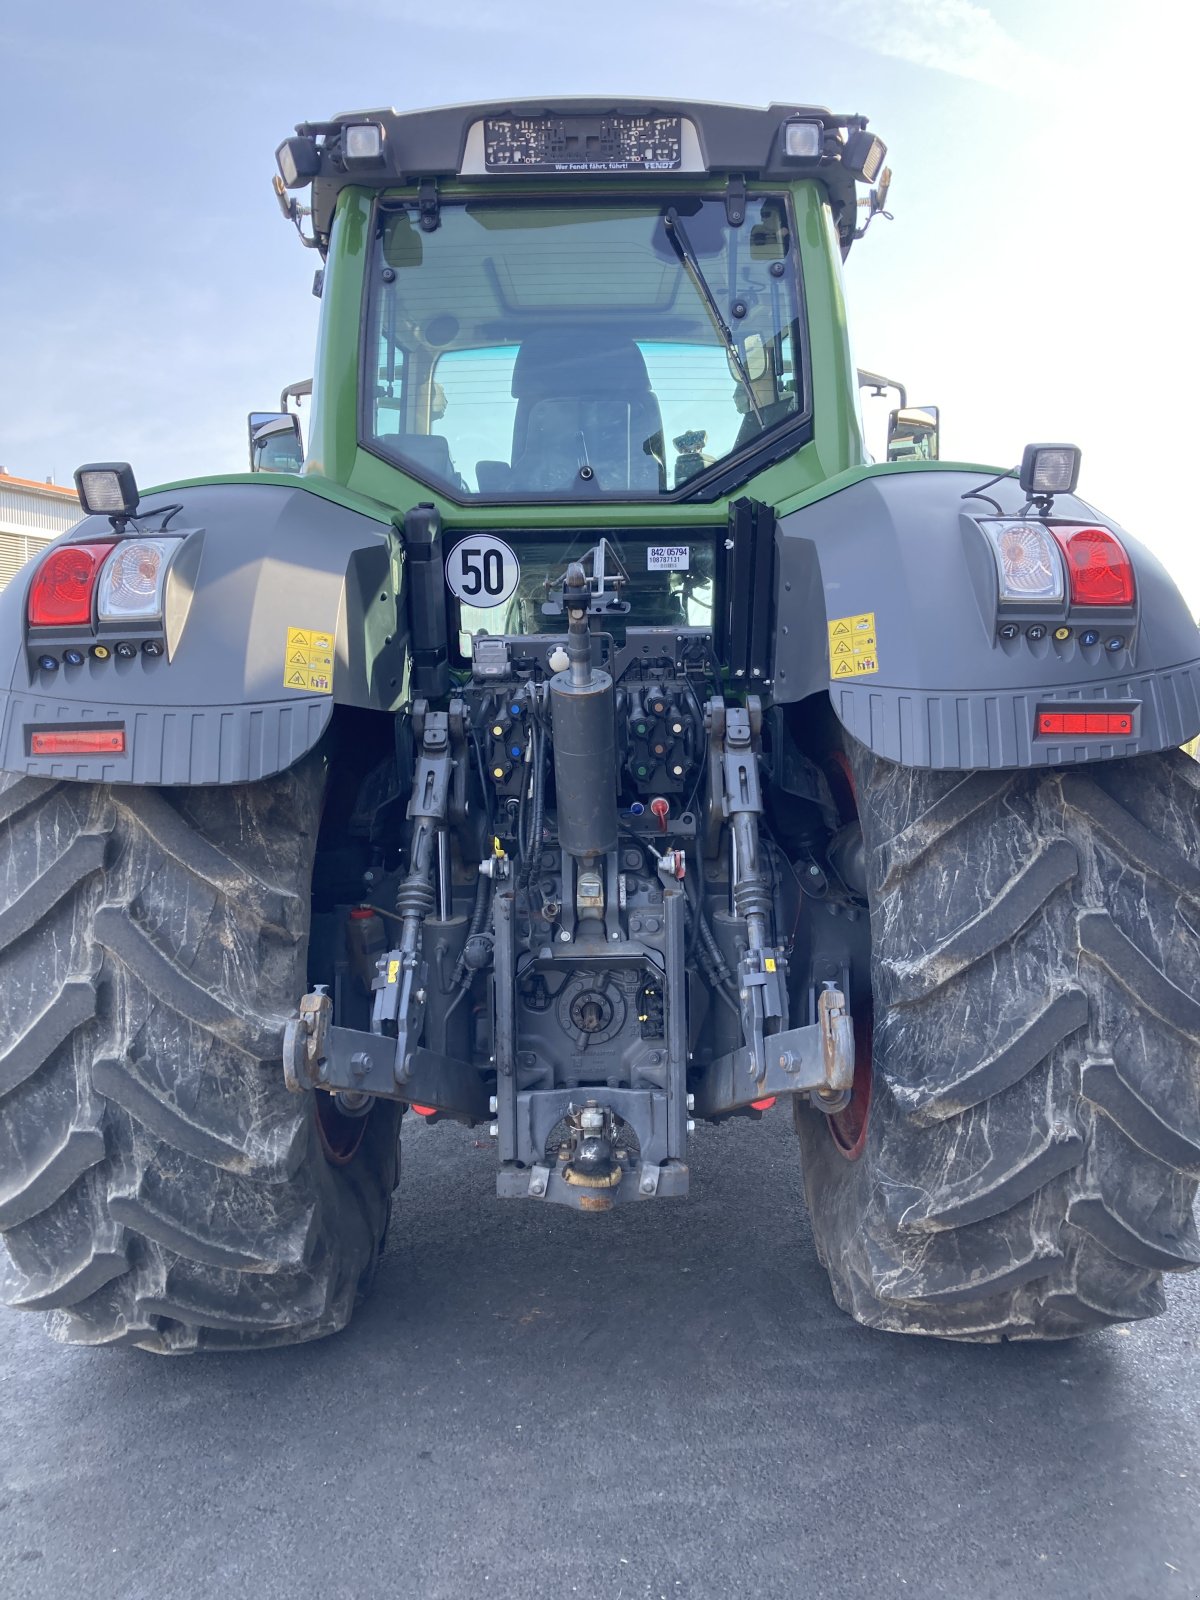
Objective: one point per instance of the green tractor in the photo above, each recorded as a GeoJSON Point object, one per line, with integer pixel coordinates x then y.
{"type": "Point", "coordinates": [589, 742]}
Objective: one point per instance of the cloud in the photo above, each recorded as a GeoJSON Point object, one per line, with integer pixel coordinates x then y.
{"type": "Point", "coordinates": [952, 36]}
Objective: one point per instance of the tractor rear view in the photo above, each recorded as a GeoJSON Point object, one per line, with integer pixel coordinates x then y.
{"type": "Point", "coordinates": [591, 744]}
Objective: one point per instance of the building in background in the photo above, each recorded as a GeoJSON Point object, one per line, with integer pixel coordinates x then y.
{"type": "Point", "coordinates": [31, 514]}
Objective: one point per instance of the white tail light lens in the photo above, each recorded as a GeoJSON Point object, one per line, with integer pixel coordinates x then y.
{"type": "Point", "coordinates": [132, 579]}
{"type": "Point", "coordinates": [1028, 565]}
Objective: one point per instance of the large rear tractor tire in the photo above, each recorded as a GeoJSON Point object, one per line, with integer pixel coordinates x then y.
{"type": "Point", "coordinates": [159, 1186]}
{"type": "Point", "coordinates": [1021, 1154]}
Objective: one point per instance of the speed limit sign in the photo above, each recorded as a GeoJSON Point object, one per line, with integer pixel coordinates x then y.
{"type": "Point", "coordinates": [483, 571]}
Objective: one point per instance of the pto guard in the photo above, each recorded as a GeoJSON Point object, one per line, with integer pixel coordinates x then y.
{"type": "Point", "coordinates": [278, 566]}
{"type": "Point", "coordinates": [896, 553]}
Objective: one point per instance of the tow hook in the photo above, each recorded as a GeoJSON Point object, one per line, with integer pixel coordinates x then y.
{"type": "Point", "coordinates": [591, 1162]}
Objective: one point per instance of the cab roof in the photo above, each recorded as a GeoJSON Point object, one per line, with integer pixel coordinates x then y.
{"type": "Point", "coordinates": [579, 139]}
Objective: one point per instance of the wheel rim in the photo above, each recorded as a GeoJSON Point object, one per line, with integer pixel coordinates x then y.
{"type": "Point", "coordinates": [848, 1127]}
{"type": "Point", "coordinates": [341, 1136]}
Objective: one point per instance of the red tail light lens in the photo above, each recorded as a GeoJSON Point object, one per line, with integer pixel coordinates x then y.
{"type": "Point", "coordinates": [60, 595]}
{"type": "Point", "coordinates": [1100, 572]}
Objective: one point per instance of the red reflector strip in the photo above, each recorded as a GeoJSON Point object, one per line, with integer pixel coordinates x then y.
{"type": "Point", "coordinates": [425, 1111]}
{"type": "Point", "coordinates": [1085, 722]}
{"type": "Point", "coordinates": [763, 1105]}
{"type": "Point", "coordinates": [78, 742]}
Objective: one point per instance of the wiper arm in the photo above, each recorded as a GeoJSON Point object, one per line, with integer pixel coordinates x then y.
{"type": "Point", "coordinates": [682, 246]}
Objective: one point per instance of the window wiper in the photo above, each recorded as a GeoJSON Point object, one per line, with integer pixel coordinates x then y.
{"type": "Point", "coordinates": [682, 246]}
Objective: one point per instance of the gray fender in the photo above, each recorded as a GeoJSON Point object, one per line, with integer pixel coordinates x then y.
{"type": "Point", "coordinates": [262, 558]}
{"type": "Point", "coordinates": [945, 690]}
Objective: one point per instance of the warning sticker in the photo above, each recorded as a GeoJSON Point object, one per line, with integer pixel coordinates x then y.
{"type": "Point", "coordinates": [669, 558]}
{"type": "Point", "coordinates": [308, 661]}
{"type": "Point", "coordinates": [852, 650]}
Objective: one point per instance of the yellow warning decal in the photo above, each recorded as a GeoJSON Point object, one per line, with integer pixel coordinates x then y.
{"type": "Point", "coordinates": [769, 963]}
{"type": "Point", "coordinates": [852, 650]}
{"type": "Point", "coordinates": [308, 661]}
{"type": "Point", "coordinates": [393, 972]}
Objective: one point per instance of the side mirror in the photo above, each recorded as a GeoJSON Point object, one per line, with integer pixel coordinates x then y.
{"type": "Point", "coordinates": [276, 444]}
{"type": "Point", "coordinates": [913, 434]}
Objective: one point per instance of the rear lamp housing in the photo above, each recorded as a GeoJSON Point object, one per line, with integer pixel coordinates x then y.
{"type": "Point", "coordinates": [60, 595]}
{"type": "Point", "coordinates": [298, 160]}
{"type": "Point", "coordinates": [132, 580]}
{"type": "Point", "coordinates": [107, 488]}
{"type": "Point", "coordinates": [1098, 566]}
{"type": "Point", "coordinates": [1029, 568]}
{"type": "Point", "coordinates": [1049, 469]}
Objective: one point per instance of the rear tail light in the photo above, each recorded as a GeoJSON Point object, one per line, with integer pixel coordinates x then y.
{"type": "Point", "coordinates": [1118, 723]}
{"type": "Point", "coordinates": [1100, 572]}
{"type": "Point", "coordinates": [131, 584]}
{"type": "Point", "coordinates": [60, 595]}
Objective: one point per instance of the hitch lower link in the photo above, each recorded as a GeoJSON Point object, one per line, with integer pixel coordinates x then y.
{"type": "Point", "coordinates": [772, 1059]}
{"type": "Point", "coordinates": [356, 1065]}
{"type": "Point", "coordinates": [817, 1060]}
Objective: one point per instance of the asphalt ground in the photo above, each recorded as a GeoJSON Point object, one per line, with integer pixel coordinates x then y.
{"type": "Point", "coordinates": [663, 1402]}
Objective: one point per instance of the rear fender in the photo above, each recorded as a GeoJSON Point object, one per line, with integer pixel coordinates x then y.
{"type": "Point", "coordinates": [937, 686]}
{"type": "Point", "coordinates": [230, 702]}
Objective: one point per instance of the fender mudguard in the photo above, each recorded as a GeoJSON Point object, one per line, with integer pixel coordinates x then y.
{"type": "Point", "coordinates": [938, 686]}
{"type": "Point", "coordinates": [269, 569]}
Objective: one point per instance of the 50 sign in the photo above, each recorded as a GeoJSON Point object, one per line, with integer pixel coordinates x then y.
{"type": "Point", "coordinates": [482, 571]}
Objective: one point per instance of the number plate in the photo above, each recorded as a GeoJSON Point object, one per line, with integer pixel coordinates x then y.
{"type": "Point", "coordinates": [483, 571]}
{"type": "Point", "coordinates": [582, 144]}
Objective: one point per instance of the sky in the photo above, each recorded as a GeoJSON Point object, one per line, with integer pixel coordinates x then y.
{"type": "Point", "coordinates": [1035, 282]}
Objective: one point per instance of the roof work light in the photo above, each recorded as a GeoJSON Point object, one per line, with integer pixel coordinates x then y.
{"type": "Point", "coordinates": [802, 141]}
{"type": "Point", "coordinates": [298, 160]}
{"type": "Point", "coordinates": [862, 155]}
{"type": "Point", "coordinates": [362, 144]}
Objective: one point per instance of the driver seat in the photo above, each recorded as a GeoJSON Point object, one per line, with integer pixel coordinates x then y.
{"type": "Point", "coordinates": [584, 399]}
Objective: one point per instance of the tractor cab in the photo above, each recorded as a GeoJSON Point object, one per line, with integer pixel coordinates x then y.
{"type": "Point", "coordinates": [560, 308]}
